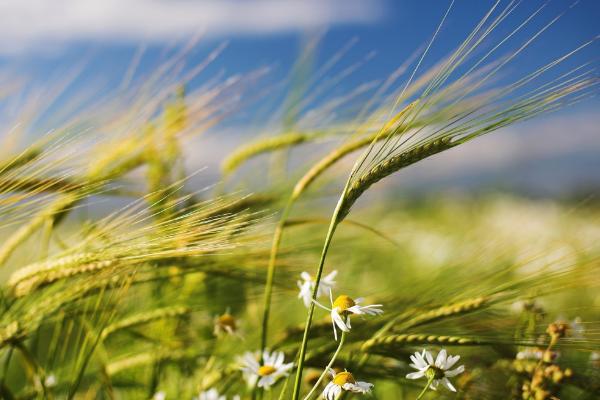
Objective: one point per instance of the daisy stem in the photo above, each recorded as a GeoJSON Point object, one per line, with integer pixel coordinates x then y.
{"type": "Point", "coordinates": [326, 370]}
{"type": "Point", "coordinates": [332, 226]}
{"type": "Point", "coordinates": [284, 388]}
{"type": "Point", "coordinates": [429, 382]}
{"type": "Point", "coordinates": [271, 272]}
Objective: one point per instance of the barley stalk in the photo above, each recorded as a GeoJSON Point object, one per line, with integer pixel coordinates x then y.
{"type": "Point", "coordinates": [393, 164]}
{"type": "Point", "coordinates": [42, 267]}
{"type": "Point", "coordinates": [144, 318]}
{"type": "Point", "coordinates": [282, 141]}
{"type": "Point", "coordinates": [58, 206]}
{"type": "Point", "coordinates": [382, 344]}
{"type": "Point", "coordinates": [25, 286]}
{"type": "Point", "coordinates": [454, 309]}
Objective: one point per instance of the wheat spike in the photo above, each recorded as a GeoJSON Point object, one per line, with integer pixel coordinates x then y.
{"type": "Point", "coordinates": [143, 318]}
{"type": "Point", "coordinates": [454, 309]}
{"type": "Point", "coordinates": [238, 157]}
{"type": "Point", "coordinates": [394, 341]}
{"type": "Point", "coordinates": [391, 165]}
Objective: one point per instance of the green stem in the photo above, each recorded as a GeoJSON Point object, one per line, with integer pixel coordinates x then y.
{"type": "Point", "coordinates": [326, 370]}
{"type": "Point", "coordinates": [284, 388]}
{"type": "Point", "coordinates": [271, 273]}
{"type": "Point", "coordinates": [332, 226]}
{"type": "Point", "coordinates": [429, 382]}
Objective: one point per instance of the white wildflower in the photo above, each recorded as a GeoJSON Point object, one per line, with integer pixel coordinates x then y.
{"type": "Point", "coordinates": [264, 374]}
{"type": "Point", "coordinates": [438, 371]}
{"type": "Point", "coordinates": [344, 381]}
{"type": "Point", "coordinates": [343, 307]}
{"type": "Point", "coordinates": [226, 324]}
{"type": "Point", "coordinates": [159, 395]}
{"type": "Point", "coordinates": [307, 286]}
{"type": "Point", "coordinates": [213, 394]}
{"type": "Point", "coordinates": [50, 381]}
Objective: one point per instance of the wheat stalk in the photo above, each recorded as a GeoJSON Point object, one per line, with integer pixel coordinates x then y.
{"type": "Point", "coordinates": [381, 345]}
{"type": "Point", "coordinates": [278, 142]}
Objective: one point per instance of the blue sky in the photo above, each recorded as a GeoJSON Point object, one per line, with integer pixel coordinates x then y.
{"type": "Point", "coordinates": [41, 40]}
{"type": "Point", "coordinates": [392, 29]}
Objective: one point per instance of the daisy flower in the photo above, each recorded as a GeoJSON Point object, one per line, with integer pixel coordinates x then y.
{"type": "Point", "coordinates": [264, 374]}
{"type": "Point", "coordinates": [226, 324]}
{"type": "Point", "coordinates": [343, 307]}
{"type": "Point", "coordinates": [307, 286]}
{"type": "Point", "coordinates": [50, 381]}
{"type": "Point", "coordinates": [437, 372]}
{"type": "Point", "coordinates": [344, 381]}
{"type": "Point", "coordinates": [159, 396]}
{"type": "Point", "coordinates": [213, 394]}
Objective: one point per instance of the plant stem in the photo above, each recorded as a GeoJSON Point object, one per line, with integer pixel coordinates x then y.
{"type": "Point", "coordinates": [271, 273]}
{"type": "Point", "coordinates": [314, 388]}
{"type": "Point", "coordinates": [284, 388]}
{"type": "Point", "coordinates": [332, 226]}
{"type": "Point", "coordinates": [429, 382]}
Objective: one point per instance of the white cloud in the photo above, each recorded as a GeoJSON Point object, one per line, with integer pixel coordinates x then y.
{"type": "Point", "coordinates": [536, 149]}
{"type": "Point", "coordinates": [35, 23]}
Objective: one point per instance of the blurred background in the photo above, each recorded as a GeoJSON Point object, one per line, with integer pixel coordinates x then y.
{"type": "Point", "coordinates": [44, 44]}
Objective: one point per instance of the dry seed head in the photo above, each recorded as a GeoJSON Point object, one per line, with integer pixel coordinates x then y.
{"type": "Point", "coordinates": [227, 321]}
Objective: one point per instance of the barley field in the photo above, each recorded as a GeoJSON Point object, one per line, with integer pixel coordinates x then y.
{"type": "Point", "coordinates": [298, 264]}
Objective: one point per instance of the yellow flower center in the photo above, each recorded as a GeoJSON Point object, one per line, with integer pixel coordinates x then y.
{"type": "Point", "coordinates": [343, 303]}
{"type": "Point", "coordinates": [266, 370]}
{"type": "Point", "coordinates": [227, 320]}
{"type": "Point", "coordinates": [343, 378]}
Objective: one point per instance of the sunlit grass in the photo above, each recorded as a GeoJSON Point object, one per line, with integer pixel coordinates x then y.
{"type": "Point", "coordinates": [120, 279]}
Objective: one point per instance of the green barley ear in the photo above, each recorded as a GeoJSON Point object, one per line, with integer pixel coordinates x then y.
{"type": "Point", "coordinates": [495, 112]}
{"type": "Point", "coordinates": [260, 146]}
{"type": "Point", "coordinates": [384, 344]}
{"type": "Point", "coordinates": [144, 318]}
{"type": "Point", "coordinates": [389, 166]}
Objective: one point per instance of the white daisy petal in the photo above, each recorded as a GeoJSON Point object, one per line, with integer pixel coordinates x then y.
{"type": "Point", "coordinates": [419, 360]}
{"type": "Point", "coordinates": [338, 321]}
{"type": "Point", "coordinates": [331, 276]}
{"type": "Point", "coordinates": [429, 357]}
{"type": "Point", "coordinates": [416, 375]}
{"type": "Point", "coordinates": [440, 360]}
{"type": "Point", "coordinates": [455, 372]}
{"type": "Point", "coordinates": [365, 386]}
{"type": "Point", "coordinates": [447, 383]}
{"type": "Point", "coordinates": [451, 361]}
